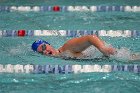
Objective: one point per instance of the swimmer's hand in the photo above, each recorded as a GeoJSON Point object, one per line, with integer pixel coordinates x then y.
{"type": "Point", "coordinates": [107, 51]}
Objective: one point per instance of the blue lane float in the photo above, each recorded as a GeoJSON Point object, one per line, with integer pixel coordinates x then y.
{"type": "Point", "coordinates": [130, 68]}
{"type": "Point", "coordinates": [72, 33]}
{"type": "Point", "coordinates": [5, 8]}
{"type": "Point", "coordinates": [110, 8]}
{"type": "Point", "coordinates": [67, 69]}
{"type": "Point", "coordinates": [70, 8]}
{"type": "Point", "coordinates": [135, 33]}
{"type": "Point", "coordinates": [7, 33]}
{"type": "Point", "coordinates": [52, 69]}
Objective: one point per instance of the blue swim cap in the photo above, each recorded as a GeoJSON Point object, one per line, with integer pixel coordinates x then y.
{"type": "Point", "coordinates": [37, 43]}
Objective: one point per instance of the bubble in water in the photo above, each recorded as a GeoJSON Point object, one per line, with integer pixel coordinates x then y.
{"type": "Point", "coordinates": [16, 81]}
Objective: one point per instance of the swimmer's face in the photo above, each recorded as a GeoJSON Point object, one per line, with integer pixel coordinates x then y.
{"type": "Point", "coordinates": [46, 49]}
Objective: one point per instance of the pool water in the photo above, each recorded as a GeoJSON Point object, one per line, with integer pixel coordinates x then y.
{"type": "Point", "coordinates": [17, 50]}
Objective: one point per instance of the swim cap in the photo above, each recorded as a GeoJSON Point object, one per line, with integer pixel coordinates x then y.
{"type": "Point", "coordinates": [37, 43]}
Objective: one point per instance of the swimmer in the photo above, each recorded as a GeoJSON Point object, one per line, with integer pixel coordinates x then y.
{"type": "Point", "coordinates": [74, 46]}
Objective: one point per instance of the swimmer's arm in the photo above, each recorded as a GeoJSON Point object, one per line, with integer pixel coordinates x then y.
{"type": "Point", "coordinates": [100, 45]}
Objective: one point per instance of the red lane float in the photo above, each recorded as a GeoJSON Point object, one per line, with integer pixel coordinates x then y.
{"type": "Point", "coordinates": [56, 8]}
{"type": "Point", "coordinates": [21, 33]}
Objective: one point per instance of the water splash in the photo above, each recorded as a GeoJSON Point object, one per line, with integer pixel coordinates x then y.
{"type": "Point", "coordinates": [122, 54]}
{"type": "Point", "coordinates": [20, 49]}
{"type": "Point", "coordinates": [90, 53]}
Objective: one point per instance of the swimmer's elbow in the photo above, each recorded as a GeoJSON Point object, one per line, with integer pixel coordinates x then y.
{"type": "Point", "coordinates": [92, 36]}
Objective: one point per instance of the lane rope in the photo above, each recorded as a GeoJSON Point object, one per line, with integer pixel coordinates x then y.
{"type": "Point", "coordinates": [70, 8]}
{"type": "Point", "coordinates": [65, 69]}
{"type": "Point", "coordinates": [70, 33]}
